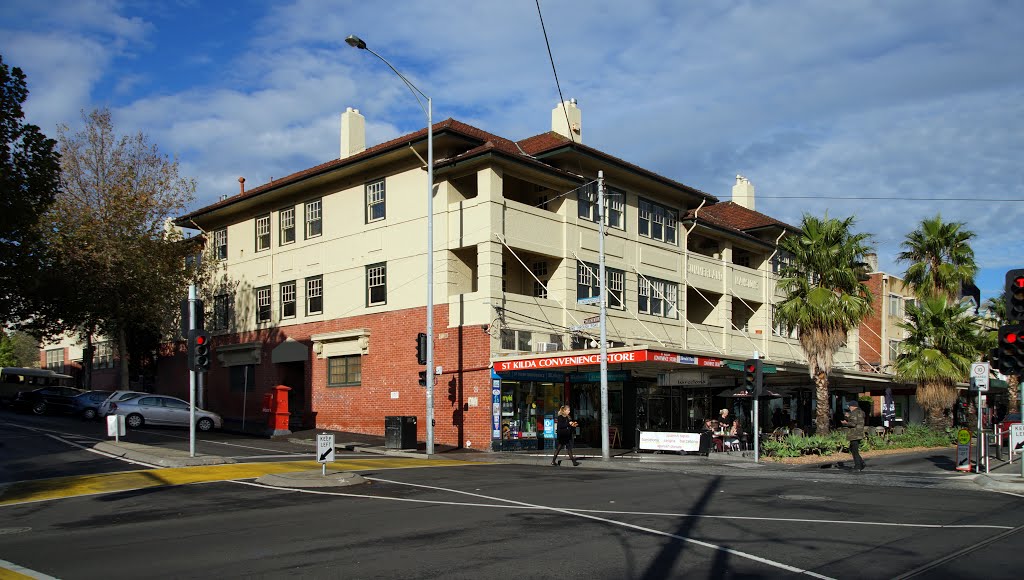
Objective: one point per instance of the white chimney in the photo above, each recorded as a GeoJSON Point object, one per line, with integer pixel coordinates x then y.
{"type": "Point", "coordinates": [743, 192]}
{"type": "Point", "coordinates": [566, 119]}
{"type": "Point", "coordinates": [353, 133]}
{"type": "Point", "coordinates": [872, 261]}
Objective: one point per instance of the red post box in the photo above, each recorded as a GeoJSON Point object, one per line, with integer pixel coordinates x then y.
{"type": "Point", "coordinates": [277, 419]}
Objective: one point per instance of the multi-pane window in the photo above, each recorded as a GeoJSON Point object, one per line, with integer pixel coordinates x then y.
{"type": "Point", "coordinates": [588, 285]}
{"type": "Point", "coordinates": [314, 218]}
{"type": "Point", "coordinates": [781, 328]}
{"type": "Point", "coordinates": [344, 371]}
{"type": "Point", "coordinates": [221, 311]}
{"type": "Point", "coordinates": [375, 209]}
{"type": "Point", "coordinates": [616, 286]}
{"type": "Point", "coordinates": [55, 359]}
{"type": "Point", "coordinates": [288, 299]}
{"type": "Point", "coordinates": [263, 304]}
{"type": "Point", "coordinates": [286, 220]}
{"type": "Point", "coordinates": [103, 356]}
{"type": "Point", "coordinates": [515, 339]}
{"type": "Point", "coordinates": [315, 295]}
{"type": "Point", "coordinates": [657, 297]}
{"type": "Point", "coordinates": [263, 233]}
{"type": "Point", "coordinates": [894, 350]}
{"type": "Point", "coordinates": [220, 243]}
{"type": "Point", "coordinates": [895, 305]}
{"type": "Point", "coordinates": [780, 260]}
{"type": "Point", "coordinates": [540, 270]}
{"type": "Point", "coordinates": [376, 284]}
{"type": "Point", "coordinates": [614, 205]}
{"type": "Point", "coordinates": [657, 222]}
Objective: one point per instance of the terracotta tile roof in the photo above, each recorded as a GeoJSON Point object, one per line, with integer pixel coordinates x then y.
{"type": "Point", "coordinates": [550, 141]}
{"type": "Point", "coordinates": [448, 125]}
{"type": "Point", "coordinates": [732, 216]}
{"type": "Point", "coordinates": [523, 150]}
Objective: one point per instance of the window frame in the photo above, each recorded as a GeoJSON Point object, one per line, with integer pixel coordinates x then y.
{"type": "Point", "coordinates": [375, 195]}
{"type": "Point", "coordinates": [377, 271]}
{"type": "Point", "coordinates": [262, 232]}
{"type": "Point", "coordinates": [309, 219]}
{"type": "Point", "coordinates": [54, 365]}
{"type": "Point", "coordinates": [347, 372]}
{"type": "Point", "coordinates": [264, 305]}
{"type": "Point", "coordinates": [592, 272]}
{"type": "Point", "coordinates": [661, 298]}
{"type": "Point", "coordinates": [614, 204]}
{"type": "Point", "coordinates": [220, 244]}
{"type": "Point", "coordinates": [221, 312]}
{"type": "Point", "coordinates": [652, 215]}
{"type": "Point", "coordinates": [314, 284]}
{"type": "Point", "coordinates": [286, 225]}
{"type": "Point", "coordinates": [288, 299]}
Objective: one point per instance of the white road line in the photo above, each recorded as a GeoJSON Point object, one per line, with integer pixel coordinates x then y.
{"type": "Point", "coordinates": [524, 505]}
{"type": "Point", "coordinates": [103, 453]}
{"type": "Point", "coordinates": [808, 521]}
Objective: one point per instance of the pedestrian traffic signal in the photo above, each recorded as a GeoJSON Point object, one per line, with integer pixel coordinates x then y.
{"type": "Point", "coordinates": [423, 378]}
{"type": "Point", "coordinates": [452, 392]}
{"type": "Point", "coordinates": [753, 376]}
{"type": "Point", "coordinates": [1014, 295]}
{"type": "Point", "coordinates": [198, 351]}
{"type": "Point", "coordinates": [1011, 349]}
{"type": "Point", "coordinates": [421, 348]}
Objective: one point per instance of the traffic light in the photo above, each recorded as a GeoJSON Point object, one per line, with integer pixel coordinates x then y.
{"type": "Point", "coordinates": [423, 378]}
{"type": "Point", "coordinates": [421, 349]}
{"type": "Point", "coordinates": [1014, 295]}
{"type": "Point", "coordinates": [753, 376]}
{"type": "Point", "coordinates": [453, 395]}
{"type": "Point", "coordinates": [1011, 349]}
{"type": "Point", "coordinates": [198, 350]}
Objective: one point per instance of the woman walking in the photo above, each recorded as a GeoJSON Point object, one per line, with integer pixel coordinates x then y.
{"type": "Point", "coordinates": [564, 428]}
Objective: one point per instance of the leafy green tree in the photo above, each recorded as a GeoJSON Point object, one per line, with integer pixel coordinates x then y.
{"type": "Point", "coordinates": [111, 235]}
{"type": "Point", "coordinates": [7, 355]}
{"type": "Point", "coordinates": [825, 295]}
{"type": "Point", "coordinates": [942, 342]}
{"type": "Point", "coordinates": [940, 258]}
{"type": "Point", "coordinates": [29, 179]}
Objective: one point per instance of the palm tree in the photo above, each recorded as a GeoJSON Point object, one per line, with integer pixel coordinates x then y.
{"type": "Point", "coordinates": [942, 342]}
{"type": "Point", "coordinates": [997, 307]}
{"type": "Point", "coordinates": [825, 295]}
{"type": "Point", "coordinates": [940, 257]}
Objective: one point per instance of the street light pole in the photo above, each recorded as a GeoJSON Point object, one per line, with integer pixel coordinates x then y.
{"type": "Point", "coordinates": [356, 42]}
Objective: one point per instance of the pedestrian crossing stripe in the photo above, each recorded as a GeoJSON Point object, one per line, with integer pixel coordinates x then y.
{"type": "Point", "coordinates": [83, 485]}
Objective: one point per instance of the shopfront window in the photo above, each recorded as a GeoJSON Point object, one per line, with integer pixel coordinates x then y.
{"type": "Point", "coordinates": [525, 406]}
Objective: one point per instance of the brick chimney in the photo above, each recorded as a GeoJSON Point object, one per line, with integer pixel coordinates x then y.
{"type": "Point", "coordinates": [567, 119]}
{"type": "Point", "coordinates": [743, 192]}
{"type": "Point", "coordinates": [353, 133]}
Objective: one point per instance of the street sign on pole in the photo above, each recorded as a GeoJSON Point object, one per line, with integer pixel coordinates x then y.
{"type": "Point", "coordinates": [325, 449]}
{"type": "Point", "coordinates": [979, 376]}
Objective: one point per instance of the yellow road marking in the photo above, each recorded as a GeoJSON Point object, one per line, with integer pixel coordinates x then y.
{"type": "Point", "coordinates": [79, 485]}
{"type": "Point", "coordinates": [6, 574]}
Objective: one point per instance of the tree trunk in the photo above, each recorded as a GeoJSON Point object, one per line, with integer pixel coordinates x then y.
{"type": "Point", "coordinates": [122, 347]}
{"type": "Point", "coordinates": [822, 413]}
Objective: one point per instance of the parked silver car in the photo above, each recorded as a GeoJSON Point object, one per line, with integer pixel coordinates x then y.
{"type": "Point", "coordinates": [116, 397]}
{"type": "Point", "coordinates": [162, 410]}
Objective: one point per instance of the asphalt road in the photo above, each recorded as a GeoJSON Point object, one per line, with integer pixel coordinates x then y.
{"type": "Point", "coordinates": [482, 520]}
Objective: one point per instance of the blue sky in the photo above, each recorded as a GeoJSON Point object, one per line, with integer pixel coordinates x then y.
{"type": "Point", "coordinates": [891, 111]}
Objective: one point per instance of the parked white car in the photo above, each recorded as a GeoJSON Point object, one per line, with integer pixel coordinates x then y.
{"type": "Point", "coordinates": [162, 410]}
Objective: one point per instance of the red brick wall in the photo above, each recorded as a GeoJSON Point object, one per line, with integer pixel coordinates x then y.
{"type": "Point", "coordinates": [871, 329]}
{"type": "Point", "coordinates": [389, 367]}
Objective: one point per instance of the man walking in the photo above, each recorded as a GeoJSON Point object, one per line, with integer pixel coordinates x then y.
{"type": "Point", "coordinates": [855, 432]}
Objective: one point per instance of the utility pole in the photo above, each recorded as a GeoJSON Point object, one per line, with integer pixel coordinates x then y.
{"type": "Point", "coordinates": [605, 445]}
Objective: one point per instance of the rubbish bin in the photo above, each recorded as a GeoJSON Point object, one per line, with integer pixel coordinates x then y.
{"type": "Point", "coordinates": [400, 432]}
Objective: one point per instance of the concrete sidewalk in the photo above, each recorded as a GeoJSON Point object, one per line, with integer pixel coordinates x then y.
{"type": "Point", "coordinates": [1004, 478]}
